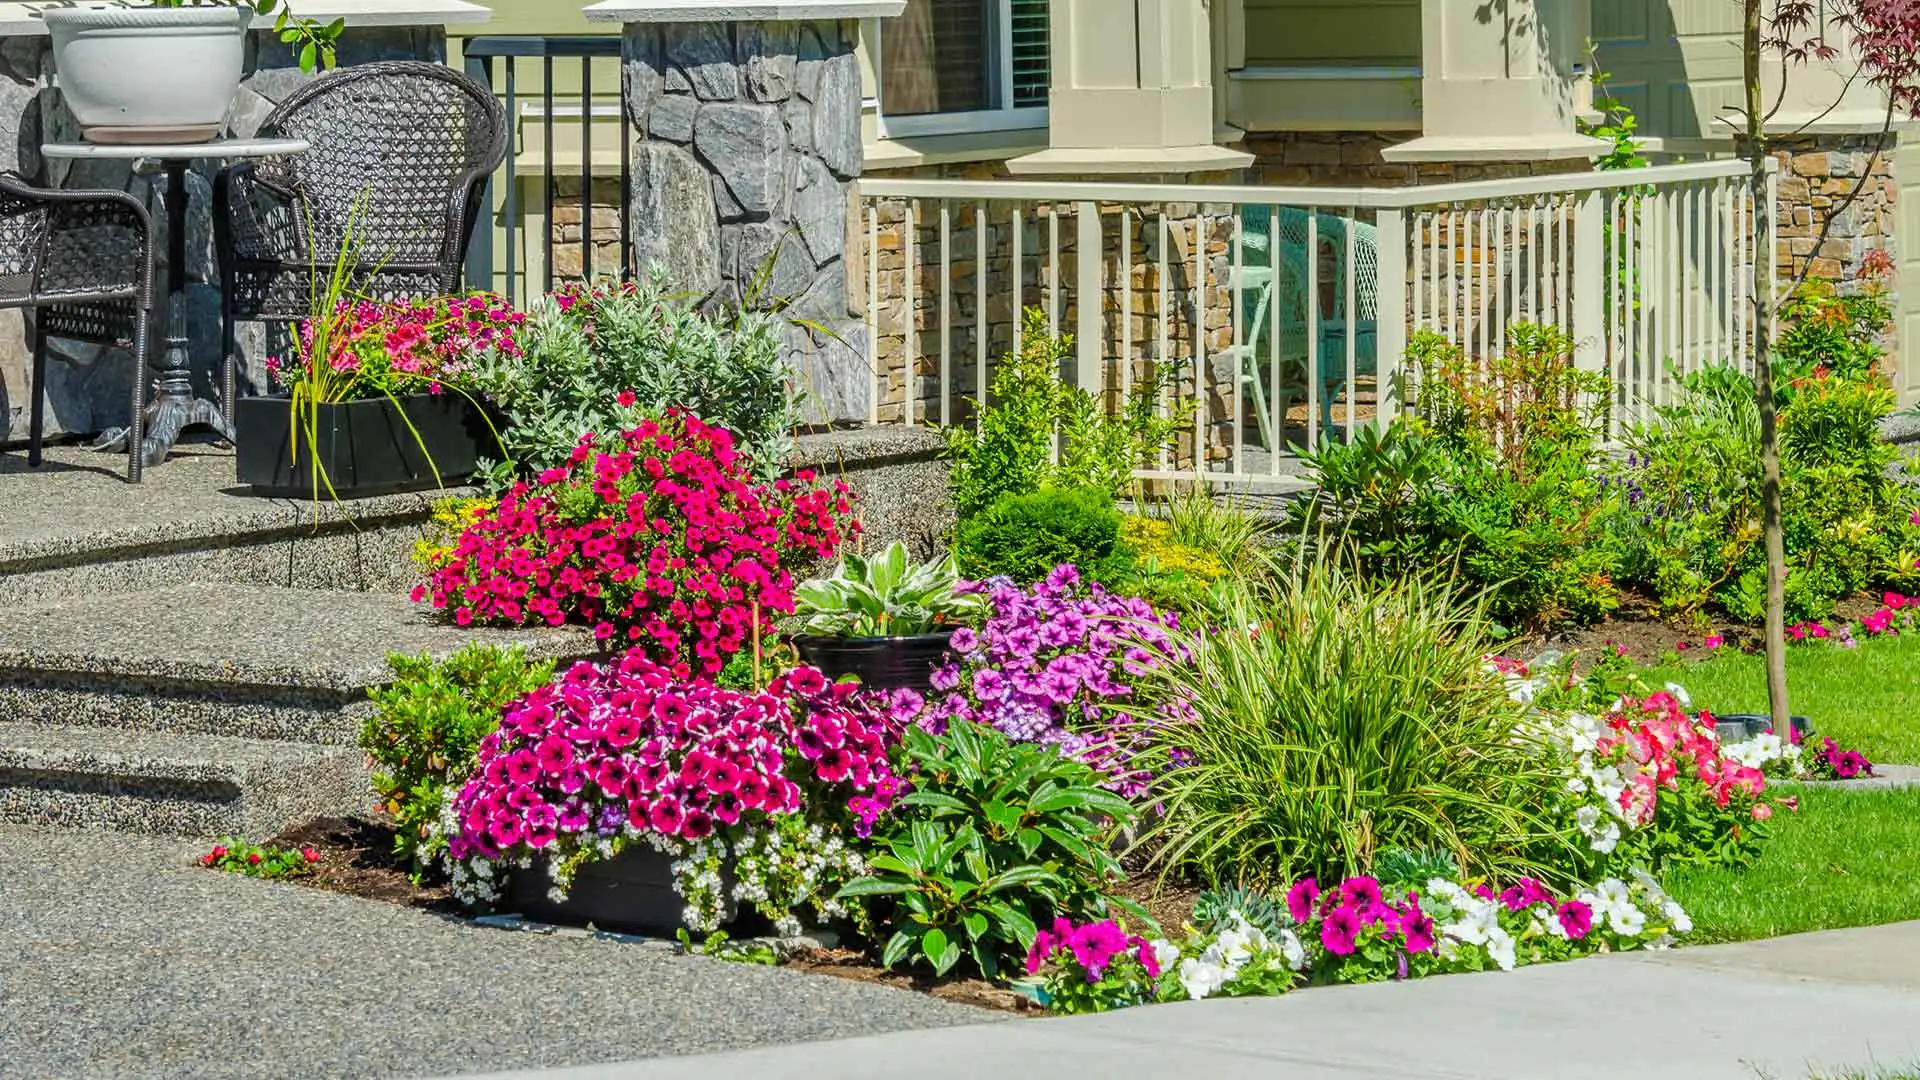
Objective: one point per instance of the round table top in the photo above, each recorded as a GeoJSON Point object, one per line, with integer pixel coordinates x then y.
{"type": "Point", "coordinates": [218, 148]}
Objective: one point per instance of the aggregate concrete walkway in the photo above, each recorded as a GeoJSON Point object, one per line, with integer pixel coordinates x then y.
{"type": "Point", "coordinates": [120, 959]}
{"type": "Point", "coordinates": [1781, 1009]}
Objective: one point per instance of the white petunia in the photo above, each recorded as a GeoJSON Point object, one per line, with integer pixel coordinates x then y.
{"type": "Point", "coordinates": [1500, 947]}
{"type": "Point", "coordinates": [1680, 695]}
{"type": "Point", "coordinates": [1200, 978]}
{"type": "Point", "coordinates": [1626, 920]}
{"type": "Point", "coordinates": [1293, 950]}
{"type": "Point", "coordinates": [1165, 954]}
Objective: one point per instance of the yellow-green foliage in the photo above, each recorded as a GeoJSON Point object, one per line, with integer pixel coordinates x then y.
{"type": "Point", "coordinates": [1152, 540]}
{"type": "Point", "coordinates": [450, 517]}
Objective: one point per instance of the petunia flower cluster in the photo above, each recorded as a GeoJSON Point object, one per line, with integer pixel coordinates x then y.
{"type": "Point", "coordinates": [1897, 613]}
{"type": "Point", "coordinates": [1355, 931]}
{"type": "Point", "coordinates": [367, 349]}
{"type": "Point", "coordinates": [662, 542]}
{"type": "Point", "coordinates": [1056, 663]}
{"type": "Point", "coordinates": [1831, 762]}
{"type": "Point", "coordinates": [610, 754]}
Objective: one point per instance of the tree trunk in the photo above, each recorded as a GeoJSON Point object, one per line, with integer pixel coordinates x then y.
{"type": "Point", "coordinates": [1772, 531]}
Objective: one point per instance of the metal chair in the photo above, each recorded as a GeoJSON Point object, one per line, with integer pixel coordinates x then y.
{"type": "Point", "coordinates": [401, 153]}
{"type": "Point", "coordinates": [1289, 294]}
{"type": "Point", "coordinates": [82, 262]}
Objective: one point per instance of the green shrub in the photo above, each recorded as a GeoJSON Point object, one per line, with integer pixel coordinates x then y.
{"type": "Point", "coordinates": [1347, 718]}
{"type": "Point", "coordinates": [1494, 478]}
{"type": "Point", "coordinates": [995, 839]}
{"type": "Point", "coordinates": [1025, 536]}
{"type": "Point", "coordinates": [1037, 431]}
{"type": "Point", "coordinates": [1822, 331]}
{"type": "Point", "coordinates": [1691, 533]}
{"type": "Point", "coordinates": [426, 730]}
{"type": "Point", "coordinates": [601, 359]}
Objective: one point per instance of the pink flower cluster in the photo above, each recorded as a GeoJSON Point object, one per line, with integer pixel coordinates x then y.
{"type": "Point", "coordinates": [1895, 613]}
{"type": "Point", "coordinates": [1658, 745]}
{"type": "Point", "coordinates": [1054, 658]}
{"type": "Point", "coordinates": [402, 347]}
{"type": "Point", "coordinates": [663, 541]}
{"type": "Point", "coordinates": [629, 748]}
{"type": "Point", "coordinates": [1354, 911]}
{"type": "Point", "coordinates": [1837, 764]}
{"type": "Point", "coordinates": [1093, 947]}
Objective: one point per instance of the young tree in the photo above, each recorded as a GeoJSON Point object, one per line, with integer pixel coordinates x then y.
{"type": "Point", "coordinates": [1886, 38]}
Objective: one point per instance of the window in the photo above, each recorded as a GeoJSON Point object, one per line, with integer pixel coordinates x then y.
{"type": "Point", "coordinates": [963, 65]}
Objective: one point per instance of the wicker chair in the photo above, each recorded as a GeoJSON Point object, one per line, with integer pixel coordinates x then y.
{"type": "Point", "coordinates": [82, 261]}
{"type": "Point", "coordinates": [401, 152]}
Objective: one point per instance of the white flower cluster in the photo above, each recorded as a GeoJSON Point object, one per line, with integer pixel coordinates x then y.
{"type": "Point", "coordinates": [790, 865]}
{"type": "Point", "coordinates": [1476, 921]}
{"type": "Point", "coordinates": [1227, 956]}
{"type": "Point", "coordinates": [1768, 753]}
{"type": "Point", "coordinates": [1625, 909]}
{"type": "Point", "coordinates": [1599, 787]}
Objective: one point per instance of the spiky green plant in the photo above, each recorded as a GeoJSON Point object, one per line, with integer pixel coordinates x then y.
{"type": "Point", "coordinates": [1336, 718]}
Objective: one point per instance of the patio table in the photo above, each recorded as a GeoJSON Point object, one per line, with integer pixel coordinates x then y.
{"type": "Point", "coordinates": [174, 408]}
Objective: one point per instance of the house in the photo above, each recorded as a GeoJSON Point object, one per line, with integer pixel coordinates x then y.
{"type": "Point", "coordinates": [1312, 93]}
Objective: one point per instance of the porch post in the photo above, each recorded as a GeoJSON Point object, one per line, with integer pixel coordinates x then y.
{"type": "Point", "coordinates": [1132, 91]}
{"type": "Point", "coordinates": [747, 114]}
{"type": "Point", "coordinates": [1498, 82]}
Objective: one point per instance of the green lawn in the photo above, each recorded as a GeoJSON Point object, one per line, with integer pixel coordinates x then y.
{"type": "Point", "coordinates": [1847, 858]}
{"type": "Point", "coordinates": [1867, 698]}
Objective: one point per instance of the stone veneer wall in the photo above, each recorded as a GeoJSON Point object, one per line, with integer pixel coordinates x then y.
{"type": "Point", "coordinates": [749, 138]}
{"type": "Point", "coordinates": [87, 385]}
{"type": "Point", "coordinates": [1817, 173]}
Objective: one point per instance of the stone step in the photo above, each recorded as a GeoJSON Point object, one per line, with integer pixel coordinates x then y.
{"type": "Point", "coordinates": [172, 784]}
{"type": "Point", "coordinates": [74, 526]}
{"type": "Point", "coordinates": [250, 661]}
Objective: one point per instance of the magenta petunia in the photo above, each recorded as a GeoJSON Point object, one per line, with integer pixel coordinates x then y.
{"type": "Point", "coordinates": [1576, 919]}
{"type": "Point", "coordinates": [1302, 898]}
{"type": "Point", "coordinates": [1340, 931]}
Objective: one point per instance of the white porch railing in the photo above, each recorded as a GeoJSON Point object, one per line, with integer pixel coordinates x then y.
{"type": "Point", "coordinates": [1651, 271]}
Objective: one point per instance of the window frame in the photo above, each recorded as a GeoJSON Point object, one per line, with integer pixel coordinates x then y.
{"type": "Point", "coordinates": [1008, 117]}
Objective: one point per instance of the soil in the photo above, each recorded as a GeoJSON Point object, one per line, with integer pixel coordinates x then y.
{"type": "Point", "coordinates": [1648, 638]}
{"type": "Point", "coordinates": [357, 858]}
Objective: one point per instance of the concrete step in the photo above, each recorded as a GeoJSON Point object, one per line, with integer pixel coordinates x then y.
{"type": "Point", "coordinates": [172, 784]}
{"type": "Point", "coordinates": [74, 526]}
{"type": "Point", "coordinates": [249, 661]}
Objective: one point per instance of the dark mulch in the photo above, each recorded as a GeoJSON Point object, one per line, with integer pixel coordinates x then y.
{"type": "Point", "coordinates": [357, 858]}
{"type": "Point", "coordinates": [1649, 638]}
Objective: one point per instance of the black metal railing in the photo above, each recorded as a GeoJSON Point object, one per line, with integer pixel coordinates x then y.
{"type": "Point", "coordinates": [499, 62]}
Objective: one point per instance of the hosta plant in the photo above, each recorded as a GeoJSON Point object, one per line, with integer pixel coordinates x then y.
{"type": "Point", "coordinates": [994, 838]}
{"type": "Point", "coordinates": [888, 595]}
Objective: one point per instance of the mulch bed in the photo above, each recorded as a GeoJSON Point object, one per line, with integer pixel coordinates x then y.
{"type": "Point", "coordinates": [1648, 637]}
{"type": "Point", "coordinates": [357, 858]}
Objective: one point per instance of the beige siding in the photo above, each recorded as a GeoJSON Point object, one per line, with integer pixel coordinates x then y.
{"type": "Point", "coordinates": [1907, 254]}
{"type": "Point", "coordinates": [1675, 62]}
{"type": "Point", "coordinates": [534, 17]}
{"type": "Point", "coordinates": [1322, 32]}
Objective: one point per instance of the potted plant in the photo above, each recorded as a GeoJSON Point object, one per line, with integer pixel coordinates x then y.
{"type": "Point", "coordinates": [374, 401]}
{"type": "Point", "coordinates": [886, 620]}
{"type": "Point", "coordinates": [166, 71]}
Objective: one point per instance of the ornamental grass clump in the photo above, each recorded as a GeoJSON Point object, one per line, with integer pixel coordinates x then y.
{"type": "Point", "coordinates": [660, 541]}
{"type": "Point", "coordinates": [776, 782]}
{"type": "Point", "coordinates": [1060, 663]}
{"type": "Point", "coordinates": [1333, 718]}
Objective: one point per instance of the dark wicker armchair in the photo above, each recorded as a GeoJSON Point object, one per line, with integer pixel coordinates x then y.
{"type": "Point", "coordinates": [82, 261]}
{"type": "Point", "coordinates": [400, 156]}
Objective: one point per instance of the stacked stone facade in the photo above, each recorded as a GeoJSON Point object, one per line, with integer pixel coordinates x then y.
{"type": "Point", "coordinates": [749, 139]}
{"type": "Point", "coordinates": [1825, 230]}
{"type": "Point", "coordinates": [586, 238]}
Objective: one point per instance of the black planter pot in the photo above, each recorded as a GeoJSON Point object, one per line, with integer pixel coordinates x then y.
{"type": "Point", "coordinates": [364, 447]}
{"type": "Point", "coordinates": [630, 893]}
{"type": "Point", "coordinates": [884, 663]}
{"type": "Point", "coordinates": [1739, 727]}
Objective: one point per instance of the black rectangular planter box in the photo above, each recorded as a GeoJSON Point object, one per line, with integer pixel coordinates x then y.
{"type": "Point", "coordinates": [364, 447]}
{"type": "Point", "coordinates": [630, 893]}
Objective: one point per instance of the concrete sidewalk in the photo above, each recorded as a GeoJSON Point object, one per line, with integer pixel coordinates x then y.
{"type": "Point", "coordinates": [1779, 1009]}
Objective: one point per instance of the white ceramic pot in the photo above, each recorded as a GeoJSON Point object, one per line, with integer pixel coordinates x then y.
{"type": "Point", "coordinates": [145, 74]}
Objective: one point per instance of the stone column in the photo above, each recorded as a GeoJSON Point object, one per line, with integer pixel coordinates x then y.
{"type": "Point", "coordinates": [1498, 82]}
{"type": "Point", "coordinates": [748, 116]}
{"type": "Point", "coordinates": [1132, 91]}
